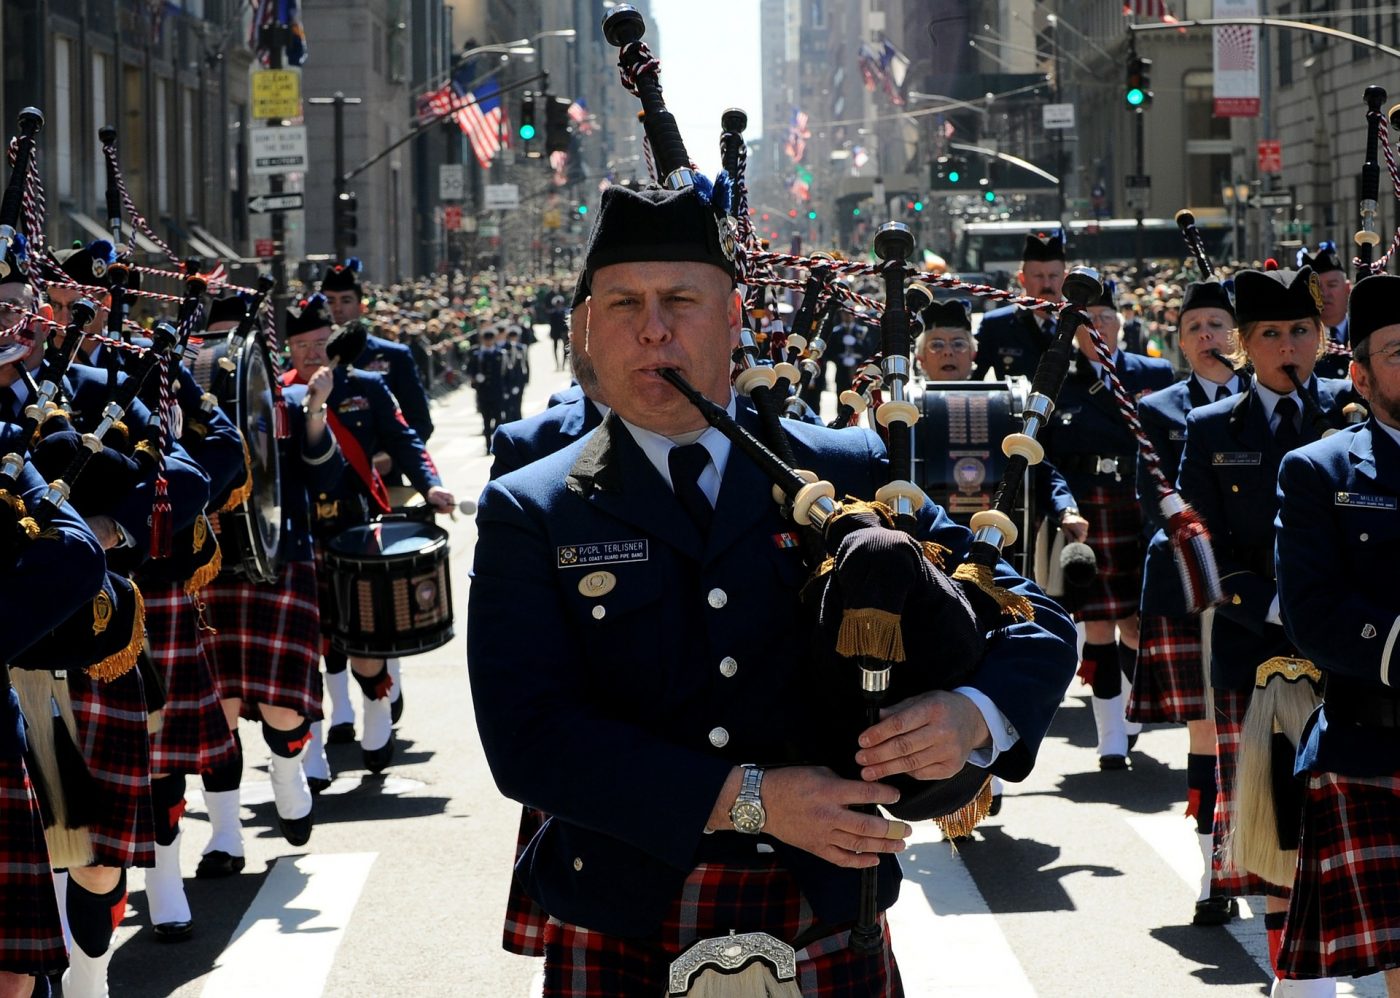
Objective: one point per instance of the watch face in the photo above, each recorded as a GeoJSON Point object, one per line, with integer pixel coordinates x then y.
{"type": "Point", "coordinates": [748, 816]}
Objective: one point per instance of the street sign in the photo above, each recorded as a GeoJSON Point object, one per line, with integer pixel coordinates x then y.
{"type": "Point", "coordinates": [1270, 156]}
{"type": "Point", "coordinates": [265, 249]}
{"type": "Point", "coordinates": [264, 204]}
{"type": "Point", "coordinates": [489, 229]}
{"type": "Point", "coordinates": [1273, 199]}
{"type": "Point", "coordinates": [452, 217]}
{"type": "Point", "coordinates": [1057, 116]}
{"type": "Point", "coordinates": [502, 197]}
{"type": "Point", "coordinates": [277, 150]}
{"type": "Point", "coordinates": [1138, 190]}
{"type": "Point", "coordinates": [452, 182]}
{"type": "Point", "coordinates": [276, 93]}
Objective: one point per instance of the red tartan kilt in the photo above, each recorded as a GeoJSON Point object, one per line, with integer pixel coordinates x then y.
{"type": "Point", "coordinates": [114, 737]}
{"type": "Point", "coordinates": [579, 962]}
{"type": "Point", "coordinates": [1115, 534]}
{"type": "Point", "coordinates": [266, 644]}
{"type": "Point", "coordinates": [1230, 706]}
{"type": "Point", "coordinates": [525, 920]}
{"type": "Point", "coordinates": [194, 735]}
{"type": "Point", "coordinates": [1344, 915]}
{"type": "Point", "coordinates": [1170, 681]}
{"type": "Point", "coordinates": [31, 937]}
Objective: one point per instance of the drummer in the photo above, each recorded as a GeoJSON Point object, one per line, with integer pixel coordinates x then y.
{"type": "Point", "coordinates": [365, 420]}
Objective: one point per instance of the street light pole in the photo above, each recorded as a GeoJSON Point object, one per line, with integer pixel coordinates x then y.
{"type": "Point", "coordinates": [338, 103]}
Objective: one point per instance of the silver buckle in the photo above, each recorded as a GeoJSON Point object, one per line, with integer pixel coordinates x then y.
{"type": "Point", "coordinates": [730, 954]}
{"type": "Point", "coordinates": [1108, 466]}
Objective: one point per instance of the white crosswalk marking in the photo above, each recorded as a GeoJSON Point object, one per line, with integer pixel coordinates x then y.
{"type": "Point", "coordinates": [287, 940]}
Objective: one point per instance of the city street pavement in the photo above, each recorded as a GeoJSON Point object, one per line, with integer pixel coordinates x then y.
{"type": "Point", "coordinates": [1082, 886]}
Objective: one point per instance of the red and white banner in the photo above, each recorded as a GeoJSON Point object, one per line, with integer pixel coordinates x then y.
{"type": "Point", "coordinates": [1236, 61]}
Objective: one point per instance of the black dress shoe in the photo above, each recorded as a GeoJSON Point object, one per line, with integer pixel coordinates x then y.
{"type": "Point", "coordinates": [317, 783]}
{"type": "Point", "coordinates": [297, 831]}
{"type": "Point", "coordinates": [377, 760]}
{"type": "Point", "coordinates": [1215, 911]}
{"type": "Point", "coordinates": [218, 863]}
{"type": "Point", "coordinates": [1113, 762]}
{"type": "Point", "coordinates": [995, 807]}
{"type": "Point", "coordinates": [396, 709]}
{"type": "Point", "coordinates": [173, 932]}
{"type": "Point", "coordinates": [341, 734]}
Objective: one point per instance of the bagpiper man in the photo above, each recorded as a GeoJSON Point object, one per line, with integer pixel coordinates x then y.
{"type": "Point", "coordinates": [1331, 273]}
{"type": "Point", "coordinates": [656, 746]}
{"type": "Point", "coordinates": [1170, 679]}
{"type": "Point", "coordinates": [1011, 338]}
{"type": "Point", "coordinates": [1338, 536]}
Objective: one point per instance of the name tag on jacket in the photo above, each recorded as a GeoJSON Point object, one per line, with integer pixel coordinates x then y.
{"type": "Point", "coordinates": [1365, 501]}
{"type": "Point", "coordinates": [1223, 458]}
{"type": "Point", "coordinates": [602, 553]}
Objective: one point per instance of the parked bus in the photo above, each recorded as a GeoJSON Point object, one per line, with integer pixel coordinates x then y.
{"type": "Point", "coordinates": [991, 247]}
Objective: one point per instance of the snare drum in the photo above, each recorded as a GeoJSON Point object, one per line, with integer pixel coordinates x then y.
{"type": "Point", "coordinates": [391, 588]}
{"type": "Point", "coordinates": [958, 459]}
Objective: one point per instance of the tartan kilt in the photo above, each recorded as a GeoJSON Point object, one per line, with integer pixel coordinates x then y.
{"type": "Point", "coordinates": [581, 963]}
{"type": "Point", "coordinates": [1230, 707]}
{"type": "Point", "coordinates": [266, 643]}
{"type": "Point", "coordinates": [1344, 915]}
{"type": "Point", "coordinates": [1170, 681]}
{"type": "Point", "coordinates": [31, 937]}
{"type": "Point", "coordinates": [1115, 534]}
{"type": "Point", "coordinates": [116, 743]}
{"type": "Point", "coordinates": [525, 920]}
{"type": "Point", "coordinates": [194, 736]}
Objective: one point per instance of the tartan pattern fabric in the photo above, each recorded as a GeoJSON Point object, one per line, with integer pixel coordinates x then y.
{"type": "Point", "coordinates": [31, 938]}
{"type": "Point", "coordinates": [1115, 534]}
{"type": "Point", "coordinates": [525, 920]}
{"type": "Point", "coordinates": [1344, 915]}
{"type": "Point", "coordinates": [1170, 682]}
{"type": "Point", "coordinates": [1230, 706]}
{"type": "Point", "coordinates": [580, 963]}
{"type": "Point", "coordinates": [266, 644]}
{"type": "Point", "coordinates": [194, 735]}
{"type": "Point", "coordinates": [115, 740]}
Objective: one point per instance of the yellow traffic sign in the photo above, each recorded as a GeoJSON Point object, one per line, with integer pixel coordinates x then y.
{"type": "Point", "coordinates": [552, 219]}
{"type": "Point", "coordinates": [276, 93]}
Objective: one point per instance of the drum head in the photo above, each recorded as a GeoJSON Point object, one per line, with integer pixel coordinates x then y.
{"type": "Point", "coordinates": [387, 539]}
{"type": "Point", "coordinates": [257, 409]}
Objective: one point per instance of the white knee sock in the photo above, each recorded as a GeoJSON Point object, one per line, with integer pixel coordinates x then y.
{"type": "Point", "coordinates": [378, 724]}
{"type": "Point", "coordinates": [1129, 727]}
{"type": "Point", "coordinates": [395, 669]}
{"type": "Point", "coordinates": [1324, 987]}
{"type": "Point", "coordinates": [1108, 721]}
{"type": "Point", "coordinates": [1207, 843]}
{"type": "Point", "coordinates": [338, 693]}
{"type": "Point", "coordinates": [165, 888]}
{"type": "Point", "coordinates": [225, 822]}
{"type": "Point", "coordinates": [86, 976]}
{"type": "Point", "coordinates": [315, 763]}
{"type": "Point", "coordinates": [290, 791]}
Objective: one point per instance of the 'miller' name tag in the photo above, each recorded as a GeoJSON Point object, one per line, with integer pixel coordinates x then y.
{"type": "Point", "coordinates": [602, 553]}
{"type": "Point", "coordinates": [1235, 457]}
{"type": "Point", "coordinates": [1176, 434]}
{"type": "Point", "coordinates": [1365, 501]}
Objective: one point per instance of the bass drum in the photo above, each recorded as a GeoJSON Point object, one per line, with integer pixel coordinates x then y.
{"type": "Point", "coordinates": [250, 529]}
{"type": "Point", "coordinates": [958, 459]}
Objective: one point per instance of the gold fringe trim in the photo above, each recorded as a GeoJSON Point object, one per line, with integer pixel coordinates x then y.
{"type": "Point", "coordinates": [937, 554]}
{"type": "Point", "coordinates": [119, 427]}
{"type": "Point", "coordinates": [121, 662]}
{"type": "Point", "coordinates": [981, 576]}
{"type": "Point", "coordinates": [206, 573]}
{"type": "Point", "coordinates": [30, 526]}
{"type": "Point", "coordinates": [962, 821]}
{"type": "Point", "coordinates": [240, 495]}
{"type": "Point", "coordinates": [871, 633]}
{"type": "Point", "coordinates": [57, 414]}
{"type": "Point", "coordinates": [14, 502]}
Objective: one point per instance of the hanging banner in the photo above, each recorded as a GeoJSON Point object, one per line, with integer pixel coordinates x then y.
{"type": "Point", "coordinates": [1236, 61]}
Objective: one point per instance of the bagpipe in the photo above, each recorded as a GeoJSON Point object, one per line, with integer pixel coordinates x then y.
{"type": "Point", "coordinates": [891, 619]}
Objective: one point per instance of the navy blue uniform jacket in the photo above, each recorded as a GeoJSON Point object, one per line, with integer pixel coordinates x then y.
{"type": "Point", "coordinates": [1338, 544]}
{"type": "Point", "coordinates": [364, 406]}
{"type": "Point", "coordinates": [395, 363]}
{"type": "Point", "coordinates": [1163, 418]}
{"type": "Point", "coordinates": [603, 718]}
{"type": "Point", "coordinates": [1009, 342]}
{"type": "Point", "coordinates": [1229, 473]}
{"type": "Point", "coordinates": [517, 443]}
{"type": "Point", "coordinates": [308, 473]}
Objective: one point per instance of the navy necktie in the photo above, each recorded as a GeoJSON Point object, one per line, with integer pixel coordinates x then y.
{"type": "Point", "coordinates": [686, 465]}
{"type": "Point", "coordinates": [1222, 392]}
{"type": "Point", "coordinates": [1286, 433]}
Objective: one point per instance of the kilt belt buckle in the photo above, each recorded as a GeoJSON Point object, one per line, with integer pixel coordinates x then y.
{"type": "Point", "coordinates": [1287, 667]}
{"type": "Point", "coordinates": [328, 510]}
{"type": "Point", "coordinates": [1109, 466]}
{"type": "Point", "coordinates": [736, 964]}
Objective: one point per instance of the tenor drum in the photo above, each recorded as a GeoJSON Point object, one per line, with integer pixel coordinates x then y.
{"type": "Point", "coordinates": [958, 459]}
{"type": "Point", "coordinates": [249, 532]}
{"type": "Point", "coordinates": [391, 588]}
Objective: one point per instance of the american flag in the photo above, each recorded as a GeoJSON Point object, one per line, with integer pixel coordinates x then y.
{"type": "Point", "coordinates": [796, 145]}
{"type": "Point", "coordinates": [1235, 47]}
{"type": "Point", "coordinates": [578, 114]}
{"type": "Point", "coordinates": [559, 163]}
{"type": "Point", "coordinates": [481, 115]}
{"type": "Point", "coordinates": [1149, 9]}
{"type": "Point", "coordinates": [434, 105]}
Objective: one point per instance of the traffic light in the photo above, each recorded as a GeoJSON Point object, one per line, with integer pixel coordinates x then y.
{"type": "Point", "coordinates": [557, 130]}
{"type": "Point", "coordinates": [918, 206]}
{"type": "Point", "coordinates": [582, 209]}
{"type": "Point", "coordinates": [949, 173]}
{"type": "Point", "coordinates": [989, 196]}
{"type": "Point", "coordinates": [345, 219]}
{"type": "Point", "coordinates": [811, 216]}
{"type": "Point", "coordinates": [527, 117]}
{"type": "Point", "coordinates": [1137, 94]}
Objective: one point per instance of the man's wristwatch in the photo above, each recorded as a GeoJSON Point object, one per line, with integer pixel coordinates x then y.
{"type": "Point", "coordinates": [747, 814]}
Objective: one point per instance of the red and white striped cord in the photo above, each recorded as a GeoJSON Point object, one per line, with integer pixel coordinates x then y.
{"type": "Point", "coordinates": [137, 219]}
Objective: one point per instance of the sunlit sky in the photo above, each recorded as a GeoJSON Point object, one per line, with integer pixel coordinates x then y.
{"type": "Point", "coordinates": [709, 61]}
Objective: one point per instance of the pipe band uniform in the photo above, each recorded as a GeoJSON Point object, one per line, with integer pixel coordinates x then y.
{"type": "Point", "coordinates": [690, 541]}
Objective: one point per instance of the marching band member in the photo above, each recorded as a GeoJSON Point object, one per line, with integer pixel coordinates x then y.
{"type": "Point", "coordinates": [1011, 339]}
{"type": "Point", "coordinates": [1229, 474]}
{"type": "Point", "coordinates": [655, 745]}
{"type": "Point", "coordinates": [1337, 539]}
{"type": "Point", "coordinates": [1170, 680]}
{"type": "Point", "coordinates": [1336, 289]}
{"type": "Point", "coordinates": [1091, 445]}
